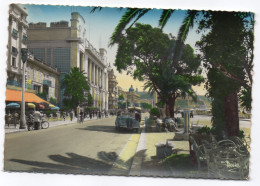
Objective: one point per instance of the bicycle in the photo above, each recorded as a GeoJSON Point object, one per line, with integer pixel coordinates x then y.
{"type": "Point", "coordinates": [44, 124]}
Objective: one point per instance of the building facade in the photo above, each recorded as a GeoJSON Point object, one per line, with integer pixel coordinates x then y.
{"type": "Point", "coordinates": [17, 39]}
{"type": "Point", "coordinates": [40, 77]}
{"type": "Point", "coordinates": [65, 46]}
{"type": "Point", "coordinates": [112, 88]}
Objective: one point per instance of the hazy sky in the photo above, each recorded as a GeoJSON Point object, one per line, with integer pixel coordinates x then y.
{"type": "Point", "coordinates": [100, 26]}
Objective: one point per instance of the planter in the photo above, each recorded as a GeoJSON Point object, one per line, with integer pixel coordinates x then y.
{"type": "Point", "coordinates": [164, 149]}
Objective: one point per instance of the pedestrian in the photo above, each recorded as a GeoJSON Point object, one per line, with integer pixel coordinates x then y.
{"type": "Point", "coordinates": [71, 115]}
{"type": "Point", "coordinates": [81, 117]}
{"type": "Point", "coordinates": [90, 115]}
{"type": "Point", "coordinates": [16, 118]}
{"type": "Point", "coordinates": [37, 118]}
{"type": "Point", "coordinates": [64, 115]}
{"type": "Point", "coordinates": [8, 118]}
{"type": "Point", "coordinates": [99, 114]}
{"type": "Point", "coordinates": [191, 114]}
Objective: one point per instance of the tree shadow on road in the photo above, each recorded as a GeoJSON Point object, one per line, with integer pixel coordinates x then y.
{"type": "Point", "coordinates": [71, 164]}
{"type": "Point", "coordinates": [104, 128]}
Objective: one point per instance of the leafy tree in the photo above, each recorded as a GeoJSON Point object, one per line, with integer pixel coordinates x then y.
{"type": "Point", "coordinates": [90, 100]}
{"type": "Point", "coordinates": [146, 105]}
{"type": "Point", "coordinates": [121, 97]}
{"type": "Point", "coordinates": [122, 105]}
{"type": "Point", "coordinates": [146, 54]}
{"type": "Point", "coordinates": [228, 59]}
{"type": "Point", "coordinates": [155, 112]}
{"type": "Point", "coordinates": [76, 85]}
{"type": "Point", "coordinates": [42, 95]}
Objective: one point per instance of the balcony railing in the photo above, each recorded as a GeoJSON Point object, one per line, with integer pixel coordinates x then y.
{"type": "Point", "coordinates": [14, 83]}
{"type": "Point", "coordinates": [93, 50]}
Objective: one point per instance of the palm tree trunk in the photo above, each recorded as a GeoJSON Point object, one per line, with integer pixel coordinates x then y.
{"type": "Point", "coordinates": [231, 115]}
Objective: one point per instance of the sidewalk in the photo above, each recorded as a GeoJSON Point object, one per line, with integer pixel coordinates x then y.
{"type": "Point", "coordinates": [12, 129]}
{"type": "Point", "coordinates": [146, 163]}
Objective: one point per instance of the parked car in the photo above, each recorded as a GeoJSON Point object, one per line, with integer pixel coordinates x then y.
{"type": "Point", "coordinates": [127, 121]}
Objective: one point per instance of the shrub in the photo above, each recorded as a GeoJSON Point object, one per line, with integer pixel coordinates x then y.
{"type": "Point", "coordinates": [155, 112]}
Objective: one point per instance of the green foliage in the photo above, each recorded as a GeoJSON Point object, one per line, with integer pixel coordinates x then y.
{"type": "Point", "coordinates": [122, 105]}
{"type": "Point", "coordinates": [75, 85]}
{"type": "Point", "coordinates": [91, 108]}
{"type": "Point", "coordinates": [148, 52]}
{"type": "Point", "coordinates": [53, 101]}
{"type": "Point", "coordinates": [146, 105]}
{"type": "Point", "coordinates": [246, 98]}
{"type": "Point", "coordinates": [205, 130]}
{"type": "Point", "coordinates": [90, 100]}
{"type": "Point", "coordinates": [225, 53]}
{"type": "Point", "coordinates": [49, 112]}
{"type": "Point", "coordinates": [155, 112]}
{"type": "Point", "coordinates": [121, 97]}
{"type": "Point", "coordinates": [241, 134]}
{"type": "Point", "coordinates": [42, 95]}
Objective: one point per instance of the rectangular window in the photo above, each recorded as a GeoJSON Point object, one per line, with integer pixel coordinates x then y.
{"type": "Point", "coordinates": [24, 39]}
{"type": "Point", "coordinates": [38, 53]}
{"type": "Point", "coordinates": [15, 33]}
{"type": "Point", "coordinates": [61, 59]}
{"type": "Point", "coordinates": [14, 51]}
{"type": "Point", "coordinates": [37, 88]}
{"type": "Point", "coordinates": [49, 56]}
{"type": "Point", "coordinates": [13, 62]}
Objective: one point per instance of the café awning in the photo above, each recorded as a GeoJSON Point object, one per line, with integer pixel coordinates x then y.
{"type": "Point", "coordinates": [16, 96]}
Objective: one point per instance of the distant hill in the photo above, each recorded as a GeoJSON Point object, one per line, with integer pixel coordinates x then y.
{"type": "Point", "coordinates": [145, 95]}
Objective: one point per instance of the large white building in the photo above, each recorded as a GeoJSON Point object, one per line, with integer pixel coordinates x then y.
{"type": "Point", "coordinates": [17, 39]}
{"type": "Point", "coordinates": [65, 46]}
{"type": "Point", "coordinates": [41, 77]}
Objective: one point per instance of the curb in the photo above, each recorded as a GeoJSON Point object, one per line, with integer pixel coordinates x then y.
{"type": "Point", "coordinates": [136, 166]}
{"type": "Point", "coordinates": [8, 131]}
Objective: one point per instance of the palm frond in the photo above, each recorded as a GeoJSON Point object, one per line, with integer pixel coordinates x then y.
{"type": "Point", "coordinates": [96, 8]}
{"type": "Point", "coordinates": [166, 14]}
{"type": "Point", "coordinates": [141, 14]}
{"type": "Point", "coordinates": [187, 24]}
{"type": "Point", "coordinates": [130, 14]}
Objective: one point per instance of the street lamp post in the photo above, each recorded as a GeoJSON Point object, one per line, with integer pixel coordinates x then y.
{"type": "Point", "coordinates": [24, 52]}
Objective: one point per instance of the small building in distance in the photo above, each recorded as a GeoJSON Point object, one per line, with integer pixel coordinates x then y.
{"type": "Point", "coordinates": [112, 89]}
{"type": "Point", "coordinates": [133, 97]}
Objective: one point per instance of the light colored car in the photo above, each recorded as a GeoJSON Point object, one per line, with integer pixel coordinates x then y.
{"type": "Point", "coordinates": [125, 121]}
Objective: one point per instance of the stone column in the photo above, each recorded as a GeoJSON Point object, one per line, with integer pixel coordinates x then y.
{"type": "Point", "coordinates": [94, 73]}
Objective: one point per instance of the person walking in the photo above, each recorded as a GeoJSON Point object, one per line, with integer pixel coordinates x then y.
{"type": "Point", "coordinates": [81, 117]}
{"type": "Point", "coordinates": [16, 118]}
{"type": "Point", "coordinates": [37, 118]}
{"type": "Point", "coordinates": [8, 118]}
{"type": "Point", "coordinates": [64, 115]}
{"type": "Point", "coordinates": [71, 115]}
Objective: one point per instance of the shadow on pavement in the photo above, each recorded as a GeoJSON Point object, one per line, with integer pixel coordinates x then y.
{"type": "Point", "coordinates": [105, 128]}
{"type": "Point", "coordinates": [71, 164]}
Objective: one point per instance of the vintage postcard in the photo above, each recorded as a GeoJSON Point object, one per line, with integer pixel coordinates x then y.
{"type": "Point", "coordinates": [145, 92]}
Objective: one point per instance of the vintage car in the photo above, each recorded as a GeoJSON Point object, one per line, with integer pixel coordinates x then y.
{"type": "Point", "coordinates": [127, 121]}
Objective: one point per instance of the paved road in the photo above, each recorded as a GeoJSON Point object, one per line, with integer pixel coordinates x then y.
{"type": "Point", "coordinates": [93, 147]}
